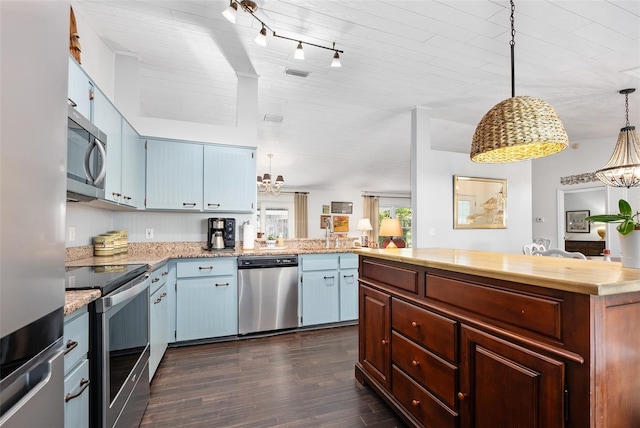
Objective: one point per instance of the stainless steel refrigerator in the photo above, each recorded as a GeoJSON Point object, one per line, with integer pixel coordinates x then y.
{"type": "Point", "coordinates": [34, 39]}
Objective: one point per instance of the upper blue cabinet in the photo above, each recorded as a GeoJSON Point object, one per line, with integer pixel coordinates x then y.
{"type": "Point", "coordinates": [81, 89]}
{"type": "Point", "coordinates": [229, 179]}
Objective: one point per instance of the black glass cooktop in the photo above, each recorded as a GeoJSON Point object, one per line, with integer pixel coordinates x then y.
{"type": "Point", "coordinates": [106, 278]}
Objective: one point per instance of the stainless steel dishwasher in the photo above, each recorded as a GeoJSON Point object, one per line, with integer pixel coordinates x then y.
{"type": "Point", "coordinates": [267, 293]}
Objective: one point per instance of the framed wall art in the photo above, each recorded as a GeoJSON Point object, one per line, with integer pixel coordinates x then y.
{"type": "Point", "coordinates": [340, 223]}
{"type": "Point", "coordinates": [341, 207]}
{"type": "Point", "coordinates": [576, 223]}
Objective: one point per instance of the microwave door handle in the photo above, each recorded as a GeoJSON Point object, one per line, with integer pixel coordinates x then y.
{"type": "Point", "coordinates": [87, 159]}
{"type": "Point", "coordinates": [103, 154]}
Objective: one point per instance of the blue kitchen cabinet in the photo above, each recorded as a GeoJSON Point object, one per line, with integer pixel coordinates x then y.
{"type": "Point", "coordinates": [107, 118]}
{"type": "Point", "coordinates": [80, 89]}
{"type": "Point", "coordinates": [133, 168]}
{"type": "Point", "coordinates": [76, 369]}
{"type": "Point", "coordinates": [206, 298]}
{"type": "Point", "coordinates": [229, 179]}
{"type": "Point", "coordinates": [319, 289]}
{"type": "Point", "coordinates": [348, 264]}
{"type": "Point", "coordinates": [158, 317]}
{"type": "Point", "coordinates": [174, 175]}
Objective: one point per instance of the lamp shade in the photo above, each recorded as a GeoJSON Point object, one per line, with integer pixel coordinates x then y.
{"type": "Point", "coordinates": [364, 224]}
{"type": "Point", "coordinates": [390, 227]}
{"type": "Point", "coordinates": [623, 169]}
{"type": "Point", "coordinates": [516, 129]}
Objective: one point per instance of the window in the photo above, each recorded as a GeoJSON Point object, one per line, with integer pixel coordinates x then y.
{"type": "Point", "coordinates": [396, 208]}
{"type": "Point", "coordinates": [275, 217]}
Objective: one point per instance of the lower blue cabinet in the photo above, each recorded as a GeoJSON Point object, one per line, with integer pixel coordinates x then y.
{"type": "Point", "coordinates": [206, 299]}
{"type": "Point", "coordinates": [76, 369]}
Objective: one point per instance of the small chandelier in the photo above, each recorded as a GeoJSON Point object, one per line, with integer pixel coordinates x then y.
{"type": "Point", "coordinates": [518, 128]}
{"type": "Point", "coordinates": [266, 186]}
{"type": "Point", "coordinates": [623, 169]}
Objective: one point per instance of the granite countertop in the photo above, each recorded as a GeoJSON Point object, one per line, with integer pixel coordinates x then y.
{"type": "Point", "coordinates": [155, 255]}
{"type": "Point", "coordinates": [592, 277]}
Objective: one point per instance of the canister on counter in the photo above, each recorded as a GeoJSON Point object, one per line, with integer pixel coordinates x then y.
{"type": "Point", "coordinates": [103, 245]}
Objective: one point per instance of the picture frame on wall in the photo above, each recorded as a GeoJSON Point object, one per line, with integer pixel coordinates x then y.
{"type": "Point", "coordinates": [323, 221]}
{"type": "Point", "coordinates": [325, 209]}
{"type": "Point", "coordinates": [340, 223]}
{"type": "Point", "coordinates": [576, 223]}
{"type": "Point", "coordinates": [341, 207]}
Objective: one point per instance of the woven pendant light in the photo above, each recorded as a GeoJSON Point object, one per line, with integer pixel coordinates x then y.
{"type": "Point", "coordinates": [518, 128]}
{"type": "Point", "coordinates": [623, 169]}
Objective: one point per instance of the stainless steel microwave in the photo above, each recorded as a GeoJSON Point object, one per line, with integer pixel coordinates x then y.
{"type": "Point", "coordinates": [86, 159]}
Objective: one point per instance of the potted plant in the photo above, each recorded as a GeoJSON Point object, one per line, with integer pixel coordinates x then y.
{"type": "Point", "coordinates": [271, 241]}
{"type": "Point", "coordinates": [628, 223]}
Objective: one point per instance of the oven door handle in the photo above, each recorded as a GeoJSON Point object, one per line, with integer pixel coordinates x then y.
{"type": "Point", "coordinates": [123, 296]}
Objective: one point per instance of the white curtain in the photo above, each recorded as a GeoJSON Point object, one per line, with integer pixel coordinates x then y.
{"type": "Point", "coordinates": [301, 214]}
{"type": "Point", "coordinates": [371, 207]}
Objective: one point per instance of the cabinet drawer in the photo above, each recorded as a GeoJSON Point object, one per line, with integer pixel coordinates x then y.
{"type": "Point", "coordinates": [536, 313]}
{"type": "Point", "coordinates": [76, 396]}
{"type": "Point", "coordinates": [425, 367]}
{"type": "Point", "coordinates": [420, 403]}
{"type": "Point", "coordinates": [319, 262]}
{"type": "Point", "coordinates": [390, 275]}
{"type": "Point", "coordinates": [76, 339]}
{"type": "Point", "coordinates": [348, 261]}
{"type": "Point", "coordinates": [206, 267]}
{"type": "Point", "coordinates": [430, 330]}
{"type": "Point", "coordinates": [158, 278]}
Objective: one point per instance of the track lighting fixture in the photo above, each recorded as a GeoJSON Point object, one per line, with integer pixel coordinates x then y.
{"type": "Point", "coordinates": [261, 38]}
{"type": "Point", "coordinates": [251, 7]}
{"type": "Point", "coordinates": [231, 12]}
{"type": "Point", "coordinates": [299, 52]}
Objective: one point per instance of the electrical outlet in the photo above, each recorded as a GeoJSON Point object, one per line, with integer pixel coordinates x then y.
{"type": "Point", "coordinates": [149, 234]}
{"type": "Point", "coordinates": [72, 234]}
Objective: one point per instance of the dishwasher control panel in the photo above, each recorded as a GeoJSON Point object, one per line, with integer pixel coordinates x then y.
{"type": "Point", "coordinates": [252, 262]}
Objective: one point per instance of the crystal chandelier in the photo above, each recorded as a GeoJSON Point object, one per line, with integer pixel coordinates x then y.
{"type": "Point", "coordinates": [266, 186]}
{"type": "Point", "coordinates": [623, 169]}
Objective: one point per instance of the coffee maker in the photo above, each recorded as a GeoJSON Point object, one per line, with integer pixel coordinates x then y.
{"type": "Point", "coordinates": [221, 234]}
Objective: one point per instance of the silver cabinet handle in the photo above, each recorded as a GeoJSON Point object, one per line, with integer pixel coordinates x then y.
{"type": "Point", "coordinates": [214, 205]}
{"type": "Point", "coordinates": [226, 284]}
{"type": "Point", "coordinates": [205, 267]}
{"type": "Point", "coordinates": [84, 384]}
{"type": "Point", "coordinates": [154, 280]}
{"type": "Point", "coordinates": [71, 345]}
{"type": "Point", "coordinates": [188, 204]}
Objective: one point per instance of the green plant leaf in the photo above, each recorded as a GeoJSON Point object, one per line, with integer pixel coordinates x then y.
{"type": "Point", "coordinates": [624, 207]}
{"type": "Point", "coordinates": [605, 218]}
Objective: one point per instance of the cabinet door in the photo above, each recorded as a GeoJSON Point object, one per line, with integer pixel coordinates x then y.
{"type": "Point", "coordinates": [229, 179]}
{"type": "Point", "coordinates": [207, 307]}
{"type": "Point", "coordinates": [133, 168]}
{"type": "Point", "coordinates": [76, 397]}
{"type": "Point", "coordinates": [174, 175]}
{"type": "Point", "coordinates": [80, 90]}
{"type": "Point", "coordinates": [108, 120]}
{"type": "Point", "coordinates": [320, 297]}
{"type": "Point", "coordinates": [157, 328]}
{"type": "Point", "coordinates": [374, 333]}
{"type": "Point", "coordinates": [348, 294]}
{"type": "Point", "coordinates": [505, 385]}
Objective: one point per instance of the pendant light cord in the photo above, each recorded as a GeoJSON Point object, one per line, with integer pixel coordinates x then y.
{"type": "Point", "coordinates": [512, 43]}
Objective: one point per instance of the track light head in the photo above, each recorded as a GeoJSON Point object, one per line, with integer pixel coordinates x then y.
{"type": "Point", "coordinates": [261, 38]}
{"type": "Point", "coordinates": [231, 12]}
{"type": "Point", "coordinates": [336, 60]}
{"type": "Point", "coordinates": [299, 52]}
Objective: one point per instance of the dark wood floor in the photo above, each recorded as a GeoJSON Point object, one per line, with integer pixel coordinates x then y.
{"type": "Point", "coordinates": [302, 379]}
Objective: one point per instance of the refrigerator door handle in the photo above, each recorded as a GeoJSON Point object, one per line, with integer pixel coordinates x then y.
{"type": "Point", "coordinates": [27, 384]}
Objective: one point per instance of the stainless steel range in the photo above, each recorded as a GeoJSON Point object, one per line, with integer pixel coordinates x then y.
{"type": "Point", "coordinates": [118, 343]}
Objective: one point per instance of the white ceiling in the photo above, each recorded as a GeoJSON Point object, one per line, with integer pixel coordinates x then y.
{"type": "Point", "coordinates": [352, 124]}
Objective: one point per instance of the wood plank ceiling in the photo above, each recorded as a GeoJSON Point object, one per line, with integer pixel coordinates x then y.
{"type": "Point", "coordinates": [352, 124]}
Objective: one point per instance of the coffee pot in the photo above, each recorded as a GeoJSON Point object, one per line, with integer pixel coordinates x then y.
{"type": "Point", "coordinates": [217, 243]}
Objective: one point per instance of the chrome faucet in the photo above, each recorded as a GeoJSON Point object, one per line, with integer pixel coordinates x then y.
{"type": "Point", "coordinates": [327, 224]}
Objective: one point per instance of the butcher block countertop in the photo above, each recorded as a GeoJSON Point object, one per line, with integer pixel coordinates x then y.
{"type": "Point", "coordinates": [592, 277]}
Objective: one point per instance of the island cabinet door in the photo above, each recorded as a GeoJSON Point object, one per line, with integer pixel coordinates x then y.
{"type": "Point", "coordinates": [375, 331]}
{"type": "Point", "coordinates": [505, 385]}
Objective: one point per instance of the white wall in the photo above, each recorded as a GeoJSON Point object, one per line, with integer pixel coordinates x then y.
{"type": "Point", "coordinates": [318, 198]}
{"type": "Point", "coordinates": [432, 188]}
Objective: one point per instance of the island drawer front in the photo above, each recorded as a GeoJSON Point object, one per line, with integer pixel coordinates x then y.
{"type": "Point", "coordinates": [311, 262]}
{"type": "Point", "coordinates": [420, 403]}
{"type": "Point", "coordinates": [206, 267]}
{"type": "Point", "coordinates": [535, 313]}
{"type": "Point", "coordinates": [393, 276]}
{"type": "Point", "coordinates": [430, 330]}
{"type": "Point", "coordinates": [425, 367]}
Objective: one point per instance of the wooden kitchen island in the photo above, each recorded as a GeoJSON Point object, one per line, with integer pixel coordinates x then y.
{"type": "Point", "coordinates": [458, 338]}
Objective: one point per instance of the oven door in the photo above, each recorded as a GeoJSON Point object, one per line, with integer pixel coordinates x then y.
{"type": "Point", "coordinates": [123, 351]}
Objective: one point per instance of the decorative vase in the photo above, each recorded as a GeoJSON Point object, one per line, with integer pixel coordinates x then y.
{"type": "Point", "coordinates": [271, 243]}
{"type": "Point", "coordinates": [630, 246]}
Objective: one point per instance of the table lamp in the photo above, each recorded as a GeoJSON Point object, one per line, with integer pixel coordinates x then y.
{"type": "Point", "coordinates": [390, 227]}
{"type": "Point", "coordinates": [364, 225]}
